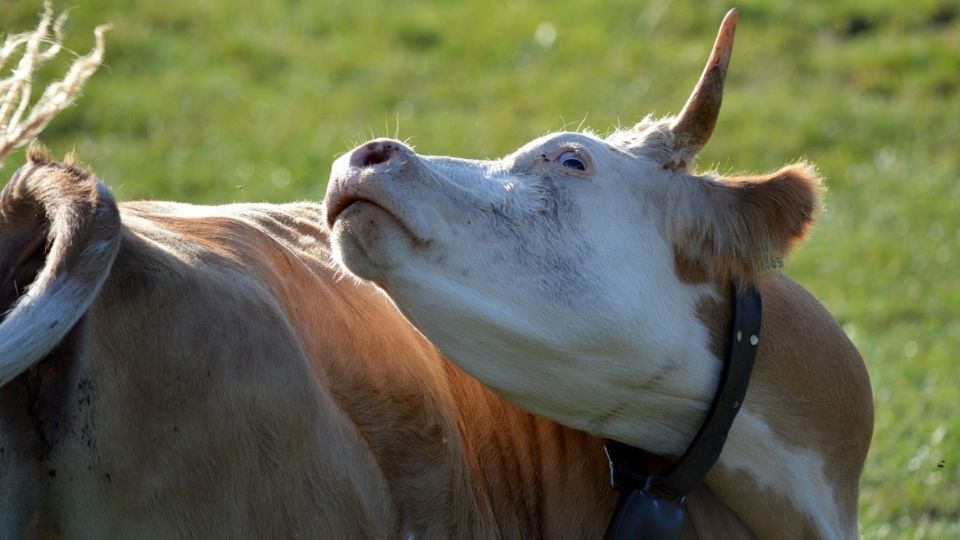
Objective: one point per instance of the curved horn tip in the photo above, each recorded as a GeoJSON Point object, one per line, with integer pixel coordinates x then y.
{"type": "Point", "coordinates": [696, 120]}
{"type": "Point", "coordinates": [730, 17]}
{"type": "Point", "coordinates": [725, 35]}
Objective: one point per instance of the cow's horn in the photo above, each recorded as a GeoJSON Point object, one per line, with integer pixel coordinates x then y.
{"type": "Point", "coordinates": [696, 121]}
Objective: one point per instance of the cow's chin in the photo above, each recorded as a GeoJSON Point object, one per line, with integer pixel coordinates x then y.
{"type": "Point", "coordinates": [369, 241]}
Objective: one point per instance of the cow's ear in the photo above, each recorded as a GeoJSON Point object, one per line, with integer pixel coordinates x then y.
{"type": "Point", "coordinates": [739, 227]}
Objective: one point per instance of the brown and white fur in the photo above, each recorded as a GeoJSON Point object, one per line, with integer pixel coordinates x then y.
{"type": "Point", "coordinates": [588, 280]}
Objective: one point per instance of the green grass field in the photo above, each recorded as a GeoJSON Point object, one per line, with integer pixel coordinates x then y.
{"type": "Point", "coordinates": [241, 100]}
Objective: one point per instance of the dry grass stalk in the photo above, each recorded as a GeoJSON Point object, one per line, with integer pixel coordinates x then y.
{"type": "Point", "coordinates": [20, 120]}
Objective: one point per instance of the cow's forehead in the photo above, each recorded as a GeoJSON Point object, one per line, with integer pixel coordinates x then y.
{"type": "Point", "coordinates": [555, 141]}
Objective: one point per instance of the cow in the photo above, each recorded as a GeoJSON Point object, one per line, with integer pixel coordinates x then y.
{"type": "Point", "coordinates": [590, 280]}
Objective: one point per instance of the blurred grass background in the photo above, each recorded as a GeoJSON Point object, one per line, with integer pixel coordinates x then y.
{"type": "Point", "coordinates": [215, 101]}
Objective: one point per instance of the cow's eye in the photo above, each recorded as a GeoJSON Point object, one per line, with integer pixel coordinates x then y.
{"type": "Point", "coordinates": [571, 160]}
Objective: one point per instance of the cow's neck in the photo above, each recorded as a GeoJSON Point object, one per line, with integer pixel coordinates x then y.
{"type": "Point", "coordinates": [760, 474]}
{"type": "Point", "coordinates": [652, 500]}
{"type": "Point", "coordinates": [763, 471]}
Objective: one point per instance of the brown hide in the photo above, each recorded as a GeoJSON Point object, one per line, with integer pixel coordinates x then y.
{"type": "Point", "coordinates": [812, 389]}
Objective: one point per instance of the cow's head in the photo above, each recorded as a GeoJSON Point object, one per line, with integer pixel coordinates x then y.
{"type": "Point", "coordinates": [567, 275]}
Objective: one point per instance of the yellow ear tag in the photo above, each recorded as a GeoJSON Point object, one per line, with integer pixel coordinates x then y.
{"type": "Point", "coordinates": [770, 262]}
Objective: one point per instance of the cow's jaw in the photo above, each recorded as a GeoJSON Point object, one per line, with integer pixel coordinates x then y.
{"type": "Point", "coordinates": [508, 273]}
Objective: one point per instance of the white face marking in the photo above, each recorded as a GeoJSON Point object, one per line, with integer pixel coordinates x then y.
{"type": "Point", "coordinates": [544, 274]}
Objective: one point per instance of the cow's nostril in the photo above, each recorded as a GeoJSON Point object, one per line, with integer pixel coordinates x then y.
{"type": "Point", "coordinates": [372, 153]}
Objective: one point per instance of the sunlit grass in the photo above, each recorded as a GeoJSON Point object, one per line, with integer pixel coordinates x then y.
{"type": "Point", "coordinates": [222, 101]}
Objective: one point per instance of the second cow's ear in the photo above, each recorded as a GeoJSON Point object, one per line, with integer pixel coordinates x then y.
{"type": "Point", "coordinates": [738, 227]}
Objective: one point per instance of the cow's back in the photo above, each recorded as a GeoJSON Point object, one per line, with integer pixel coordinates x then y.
{"type": "Point", "coordinates": [191, 405]}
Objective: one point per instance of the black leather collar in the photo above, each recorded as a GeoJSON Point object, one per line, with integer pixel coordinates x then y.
{"type": "Point", "coordinates": [651, 504]}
